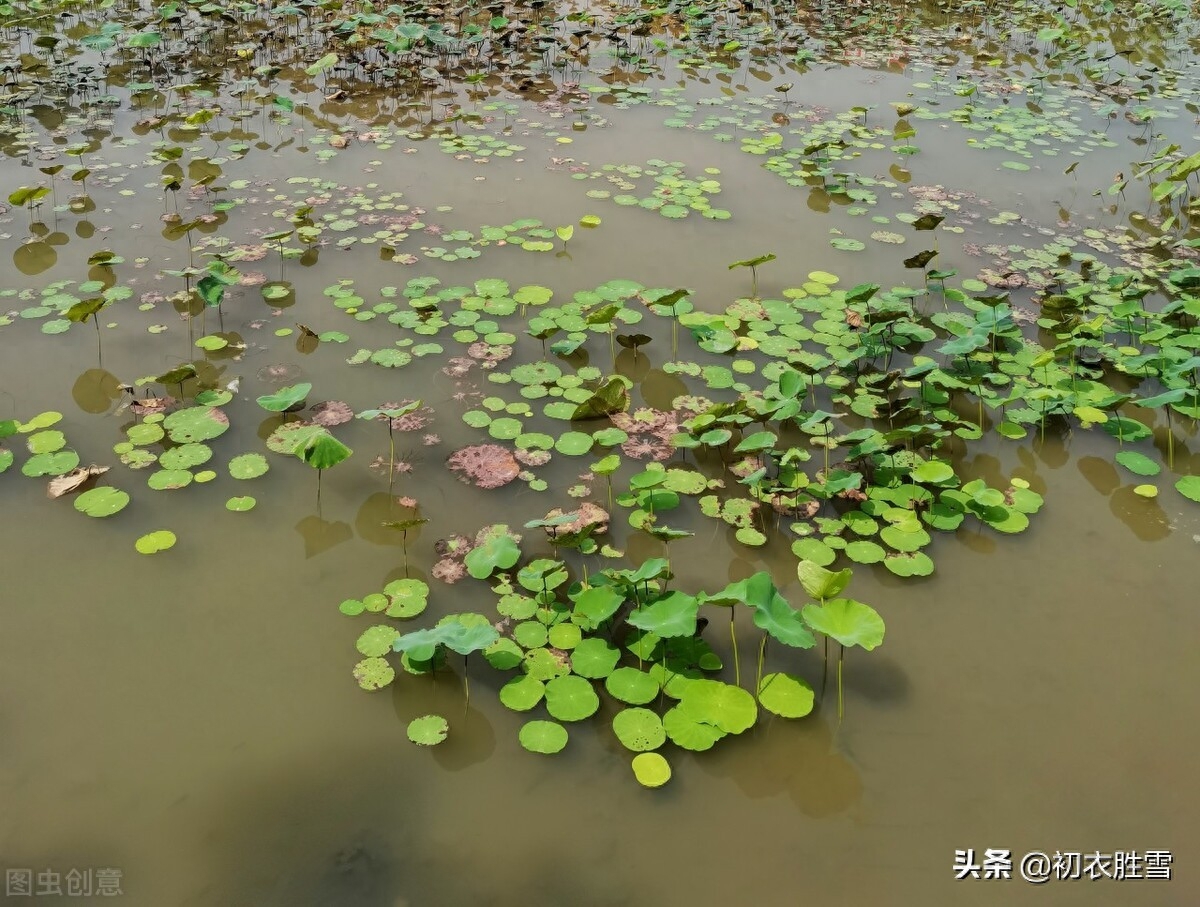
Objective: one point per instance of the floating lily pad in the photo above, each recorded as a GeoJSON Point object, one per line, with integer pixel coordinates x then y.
{"type": "Point", "coordinates": [102, 502]}
{"type": "Point", "coordinates": [651, 770]}
{"type": "Point", "coordinates": [639, 730]}
{"type": "Point", "coordinates": [522, 693]}
{"type": "Point", "coordinates": [248, 466]}
{"type": "Point", "coordinates": [786, 695]}
{"type": "Point", "coordinates": [543, 737]}
{"type": "Point", "coordinates": [154, 542]}
{"type": "Point", "coordinates": [374, 673]}
{"type": "Point", "coordinates": [240, 504]}
{"type": "Point", "coordinates": [631, 686]}
{"type": "Point", "coordinates": [571, 698]}
{"type": "Point", "coordinates": [409, 597]}
{"type": "Point", "coordinates": [377, 641]}
{"type": "Point", "coordinates": [428, 730]}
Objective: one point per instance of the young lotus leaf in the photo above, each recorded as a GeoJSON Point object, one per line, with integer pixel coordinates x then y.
{"type": "Point", "coordinates": [428, 730]}
{"type": "Point", "coordinates": [611, 397]}
{"type": "Point", "coordinates": [102, 502]}
{"type": "Point", "coordinates": [724, 706]}
{"type": "Point", "coordinates": [464, 637]}
{"type": "Point", "coordinates": [670, 616]}
{"type": "Point", "coordinates": [632, 686]}
{"type": "Point", "coordinates": [688, 733]}
{"type": "Point", "coordinates": [185, 456]}
{"type": "Point", "coordinates": [285, 398]}
{"type": "Point", "coordinates": [531, 634]}
{"type": "Point", "coordinates": [544, 665]}
{"type": "Point", "coordinates": [408, 597]}
{"type": "Point", "coordinates": [374, 673]}
{"type": "Point", "coordinates": [169, 479]}
{"type": "Point", "coordinates": [499, 551]}
{"type": "Point", "coordinates": [240, 504]}
{"type": "Point", "coordinates": [571, 698]}
{"type": "Point", "coordinates": [419, 645]}
{"type": "Point", "coordinates": [785, 695]}
{"type": "Point", "coordinates": [850, 622]}
{"type": "Point", "coordinates": [522, 693]}
{"type": "Point", "coordinates": [639, 730]}
{"type": "Point", "coordinates": [566, 637]}
{"type": "Point", "coordinates": [593, 657]}
{"type": "Point", "coordinates": [651, 770]}
{"type": "Point", "coordinates": [574, 443]}
{"type": "Point", "coordinates": [377, 641]}
{"type": "Point", "coordinates": [154, 542]}
{"type": "Point", "coordinates": [821, 583]}
{"type": "Point", "coordinates": [248, 466]}
{"type": "Point", "coordinates": [322, 450]}
{"type": "Point", "coordinates": [547, 737]}
{"type": "Point", "coordinates": [6, 459]}
{"type": "Point", "coordinates": [44, 442]}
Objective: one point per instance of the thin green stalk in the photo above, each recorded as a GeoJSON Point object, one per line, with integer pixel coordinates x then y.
{"type": "Point", "coordinates": [841, 708]}
{"type": "Point", "coordinates": [737, 666]}
{"type": "Point", "coordinates": [762, 654]}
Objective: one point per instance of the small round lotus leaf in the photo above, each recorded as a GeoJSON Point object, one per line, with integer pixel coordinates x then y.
{"type": "Point", "coordinates": [101, 502]}
{"type": "Point", "coordinates": [248, 466]}
{"type": "Point", "coordinates": [376, 602]}
{"type": "Point", "coordinates": [504, 429]}
{"type": "Point", "coordinates": [408, 597]}
{"type": "Point", "coordinates": [374, 673]}
{"type": "Point", "coordinates": [169, 479]}
{"type": "Point", "coordinates": [351, 607]}
{"type": "Point", "coordinates": [785, 695]}
{"type": "Point", "coordinates": [814, 550]}
{"type": "Point", "coordinates": [145, 433]}
{"type": "Point", "coordinates": [377, 640]}
{"type": "Point", "coordinates": [593, 658]}
{"type": "Point", "coordinates": [750, 536]}
{"type": "Point", "coordinates": [51, 464]}
{"type": "Point", "coordinates": [571, 698]}
{"type": "Point", "coordinates": [154, 542]}
{"type": "Point", "coordinates": [689, 734]}
{"type": "Point", "coordinates": [428, 730]}
{"type": "Point", "coordinates": [292, 435]}
{"type": "Point", "coordinates": [1137, 463]}
{"type": "Point", "coordinates": [574, 443]}
{"type": "Point", "coordinates": [531, 634]}
{"type": "Point", "coordinates": [240, 504]}
{"type": "Point", "coordinates": [6, 459]}
{"type": "Point", "coordinates": [639, 730]}
{"type": "Point", "coordinates": [516, 606]}
{"type": "Point", "coordinates": [1146, 491]}
{"type": "Point", "coordinates": [185, 456]}
{"type": "Point", "coordinates": [1189, 487]}
{"type": "Point", "coordinates": [726, 707]}
{"type": "Point", "coordinates": [504, 654]}
{"type": "Point", "coordinates": [522, 693]}
{"type": "Point", "coordinates": [205, 475]}
{"type": "Point", "coordinates": [542, 664]}
{"type": "Point", "coordinates": [197, 423]}
{"type": "Point", "coordinates": [864, 552]}
{"type": "Point", "coordinates": [565, 636]}
{"type": "Point", "coordinates": [536, 373]}
{"type": "Point", "coordinates": [916, 564]}
{"type": "Point", "coordinates": [543, 737]}
{"type": "Point", "coordinates": [44, 442]}
{"type": "Point", "coordinates": [630, 685]}
{"type": "Point", "coordinates": [934, 472]}
{"type": "Point", "coordinates": [651, 770]}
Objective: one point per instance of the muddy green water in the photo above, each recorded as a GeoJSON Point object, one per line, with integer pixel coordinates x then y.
{"type": "Point", "coordinates": [190, 718]}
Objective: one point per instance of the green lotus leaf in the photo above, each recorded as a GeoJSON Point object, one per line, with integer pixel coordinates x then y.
{"type": "Point", "coordinates": [785, 695]}
{"type": "Point", "coordinates": [286, 397]}
{"type": "Point", "coordinates": [44, 442]}
{"type": "Point", "coordinates": [850, 622]}
{"type": "Point", "coordinates": [428, 730]}
{"type": "Point", "coordinates": [821, 583]}
{"type": "Point", "coordinates": [240, 504]}
{"type": "Point", "coordinates": [154, 542]}
{"type": "Point", "coordinates": [504, 654]}
{"type": "Point", "coordinates": [547, 737]}
{"type": "Point", "coordinates": [865, 552]}
{"type": "Point", "coordinates": [545, 665]}
{"type": "Point", "coordinates": [102, 502]}
{"type": "Point", "coordinates": [688, 733]}
{"type": "Point", "coordinates": [185, 456]}
{"type": "Point", "coordinates": [52, 464]}
{"type": "Point", "coordinates": [499, 551]}
{"type": "Point", "coordinates": [571, 698]}
{"type": "Point", "coordinates": [1189, 487]}
{"type": "Point", "coordinates": [632, 686]}
{"type": "Point", "coordinates": [672, 615]}
{"type": "Point", "coordinates": [351, 607]}
{"type": "Point", "coordinates": [639, 730]}
{"type": "Point", "coordinates": [651, 769]}
{"type": "Point", "coordinates": [377, 641]}
{"type": "Point", "coordinates": [374, 673]}
{"type": "Point", "coordinates": [565, 637]}
{"type": "Point", "coordinates": [248, 466]}
{"type": "Point", "coordinates": [531, 634]}
{"type": "Point", "coordinates": [197, 423]}
{"type": "Point", "coordinates": [593, 658]}
{"type": "Point", "coordinates": [169, 479]}
{"type": "Point", "coordinates": [522, 693]}
{"type": "Point", "coordinates": [724, 706]}
{"type": "Point", "coordinates": [574, 443]}
{"type": "Point", "coordinates": [934, 472]}
{"type": "Point", "coordinates": [322, 450]}
{"type": "Point", "coordinates": [463, 634]}
{"type": "Point", "coordinates": [408, 598]}
{"type": "Point", "coordinates": [144, 433]}
{"type": "Point", "coordinates": [611, 397]}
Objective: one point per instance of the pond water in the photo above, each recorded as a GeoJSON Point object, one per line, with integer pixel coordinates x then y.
{"type": "Point", "coordinates": [971, 336]}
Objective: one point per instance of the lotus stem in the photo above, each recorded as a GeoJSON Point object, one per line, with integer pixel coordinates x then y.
{"type": "Point", "coordinates": [466, 681]}
{"type": "Point", "coordinates": [762, 654]}
{"type": "Point", "coordinates": [841, 708]}
{"type": "Point", "coordinates": [737, 667]}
